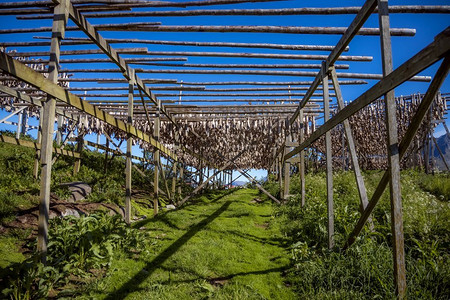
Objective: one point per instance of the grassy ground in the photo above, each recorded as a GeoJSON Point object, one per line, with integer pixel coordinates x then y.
{"type": "Point", "coordinates": [222, 246]}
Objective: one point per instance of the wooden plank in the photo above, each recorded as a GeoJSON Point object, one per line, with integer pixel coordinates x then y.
{"type": "Point", "coordinates": [128, 162]}
{"type": "Point", "coordinates": [329, 161]}
{"type": "Point", "coordinates": [156, 158]}
{"type": "Point", "coordinates": [287, 165]}
{"type": "Point", "coordinates": [440, 153]}
{"type": "Point", "coordinates": [82, 41]}
{"type": "Point", "coordinates": [302, 159]}
{"type": "Point", "coordinates": [24, 73]}
{"type": "Point", "coordinates": [80, 143]}
{"type": "Point", "coordinates": [264, 12]}
{"type": "Point", "coordinates": [60, 18]}
{"type": "Point", "coordinates": [393, 156]}
{"type": "Point", "coordinates": [37, 146]}
{"type": "Point", "coordinates": [352, 148]}
{"type": "Point", "coordinates": [428, 56]}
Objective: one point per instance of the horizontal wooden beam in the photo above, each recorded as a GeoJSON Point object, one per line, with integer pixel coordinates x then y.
{"type": "Point", "coordinates": [36, 146]}
{"type": "Point", "coordinates": [441, 9]}
{"type": "Point", "coordinates": [77, 52]}
{"type": "Point", "coordinates": [82, 41]}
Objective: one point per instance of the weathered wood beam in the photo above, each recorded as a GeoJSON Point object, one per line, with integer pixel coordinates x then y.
{"type": "Point", "coordinates": [156, 158]}
{"type": "Point", "coordinates": [128, 3]}
{"type": "Point", "coordinates": [83, 41]}
{"type": "Point", "coordinates": [329, 160]}
{"type": "Point", "coordinates": [268, 83]}
{"type": "Point", "coordinates": [155, 27]}
{"type": "Point", "coordinates": [76, 52]}
{"type": "Point", "coordinates": [352, 148]}
{"type": "Point", "coordinates": [393, 156]}
{"type": "Point", "coordinates": [242, 66]}
{"type": "Point", "coordinates": [302, 158]}
{"type": "Point", "coordinates": [441, 9]}
{"type": "Point", "coordinates": [37, 146]}
{"type": "Point", "coordinates": [440, 153]}
{"type": "Point", "coordinates": [47, 124]}
{"type": "Point", "coordinates": [243, 72]}
{"type": "Point", "coordinates": [128, 163]}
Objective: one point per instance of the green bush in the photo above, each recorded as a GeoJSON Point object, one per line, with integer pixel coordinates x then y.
{"type": "Point", "coordinates": [76, 247]}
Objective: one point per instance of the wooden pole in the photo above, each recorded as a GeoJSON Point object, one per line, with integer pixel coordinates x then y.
{"type": "Point", "coordinates": [60, 121]}
{"type": "Point", "coordinates": [329, 161]}
{"type": "Point", "coordinates": [156, 157]}
{"type": "Point", "coordinates": [19, 124]}
{"type": "Point", "coordinates": [262, 12]}
{"type": "Point", "coordinates": [80, 144]}
{"type": "Point", "coordinates": [155, 27]}
{"type": "Point", "coordinates": [128, 162]}
{"type": "Point", "coordinates": [302, 159]}
{"type": "Point", "coordinates": [352, 148]}
{"type": "Point", "coordinates": [180, 194]}
{"type": "Point", "coordinates": [393, 156]}
{"type": "Point", "coordinates": [440, 153]}
{"type": "Point", "coordinates": [39, 141]}
{"type": "Point", "coordinates": [49, 107]}
{"type": "Point", "coordinates": [287, 165]}
{"type": "Point", "coordinates": [82, 41]}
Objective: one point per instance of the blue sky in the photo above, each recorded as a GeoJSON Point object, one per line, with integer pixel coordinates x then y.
{"type": "Point", "coordinates": [427, 25]}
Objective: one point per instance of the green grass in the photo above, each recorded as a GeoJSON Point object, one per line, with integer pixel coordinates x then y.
{"type": "Point", "coordinates": [221, 246]}
{"type": "Point", "coordinates": [365, 271]}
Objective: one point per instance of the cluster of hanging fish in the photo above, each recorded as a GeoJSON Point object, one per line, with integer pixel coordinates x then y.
{"type": "Point", "coordinates": [369, 132]}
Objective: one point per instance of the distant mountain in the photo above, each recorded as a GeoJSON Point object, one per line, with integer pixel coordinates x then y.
{"type": "Point", "coordinates": [239, 183]}
{"type": "Point", "coordinates": [444, 144]}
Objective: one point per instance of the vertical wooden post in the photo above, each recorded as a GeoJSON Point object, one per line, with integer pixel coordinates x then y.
{"type": "Point", "coordinates": [393, 155]}
{"type": "Point", "coordinates": [302, 158]}
{"type": "Point", "coordinates": [39, 141]}
{"type": "Point", "coordinates": [181, 180]}
{"type": "Point", "coordinates": [105, 166]}
{"type": "Point", "coordinates": [329, 159]}
{"type": "Point", "coordinates": [287, 165]}
{"type": "Point", "coordinates": [19, 124]}
{"type": "Point", "coordinates": [128, 162]}
{"type": "Point", "coordinates": [280, 174]}
{"type": "Point", "coordinates": [60, 121]}
{"type": "Point", "coordinates": [24, 121]}
{"type": "Point", "coordinates": [352, 148]}
{"type": "Point", "coordinates": [174, 180]}
{"type": "Point", "coordinates": [80, 144]}
{"type": "Point", "coordinates": [60, 18]}
{"type": "Point", "coordinates": [156, 160]}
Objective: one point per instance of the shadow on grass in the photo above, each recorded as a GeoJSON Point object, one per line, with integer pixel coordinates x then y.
{"type": "Point", "coordinates": [279, 242]}
{"type": "Point", "coordinates": [133, 284]}
{"type": "Point", "coordinates": [163, 217]}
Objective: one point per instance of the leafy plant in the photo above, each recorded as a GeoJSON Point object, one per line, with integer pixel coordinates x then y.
{"type": "Point", "coordinates": [76, 247]}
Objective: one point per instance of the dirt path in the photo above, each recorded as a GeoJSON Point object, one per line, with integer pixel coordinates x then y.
{"type": "Point", "coordinates": [221, 247]}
